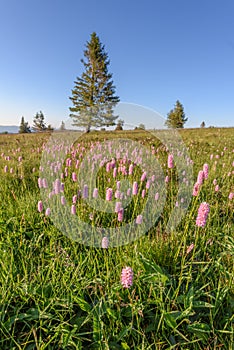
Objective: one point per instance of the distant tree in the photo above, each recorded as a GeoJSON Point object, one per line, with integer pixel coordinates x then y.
{"type": "Point", "coordinates": [176, 117]}
{"type": "Point", "coordinates": [119, 125]}
{"type": "Point", "coordinates": [203, 125]}
{"type": "Point", "coordinates": [49, 128]}
{"type": "Point", "coordinates": [141, 126]}
{"type": "Point", "coordinates": [93, 96]}
{"type": "Point", "coordinates": [24, 127]}
{"type": "Point", "coordinates": [62, 126]}
{"type": "Point", "coordinates": [39, 122]}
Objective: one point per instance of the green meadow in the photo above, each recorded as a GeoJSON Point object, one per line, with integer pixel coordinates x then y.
{"type": "Point", "coordinates": [58, 293]}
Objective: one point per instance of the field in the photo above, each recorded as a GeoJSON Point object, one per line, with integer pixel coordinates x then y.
{"type": "Point", "coordinates": [147, 269]}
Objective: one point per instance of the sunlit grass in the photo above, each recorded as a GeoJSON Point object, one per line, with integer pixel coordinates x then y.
{"type": "Point", "coordinates": [59, 294]}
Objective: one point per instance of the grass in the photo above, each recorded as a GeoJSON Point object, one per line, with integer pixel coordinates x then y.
{"type": "Point", "coordinates": [57, 293]}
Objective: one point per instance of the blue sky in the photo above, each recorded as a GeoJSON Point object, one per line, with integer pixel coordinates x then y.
{"type": "Point", "coordinates": [160, 51]}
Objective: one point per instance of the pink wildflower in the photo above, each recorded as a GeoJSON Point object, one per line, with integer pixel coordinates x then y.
{"type": "Point", "coordinates": [156, 196]}
{"type": "Point", "coordinates": [40, 182]}
{"type": "Point", "coordinates": [47, 212]}
{"type": "Point", "coordinates": [127, 277]}
{"type": "Point", "coordinates": [44, 183]}
{"type": "Point", "coordinates": [130, 171]}
{"type": "Point", "coordinates": [231, 195]}
{"type": "Point", "coordinates": [170, 161]}
{"type": "Point", "coordinates": [120, 214]}
{"type": "Point", "coordinates": [73, 209]}
{"type": "Point", "coordinates": [85, 191]}
{"type": "Point", "coordinates": [196, 189]}
{"type": "Point", "coordinates": [40, 206]}
{"type": "Point", "coordinates": [203, 212]}
{"type": "Point", "coordinates": [63, 200]}
{"type": "Point", "coordinates": [139, 219]}
{"type": "Point", "coordinates": [105, 242]}
{"type": "Point", "coordinates": [118, 206]}
{"type": "Point", "coordinates": [200, 177]}
{"type": "Point", "coordinates": [74, 177]}
{"type": "Point", "coordinates": [135, 188]}
{"type": "Point", "coordinates": [109, 193]}
{"type": "Point", "coordinates": [95, 193]}
{"type": "Point", "coordinates": [206, 170]}
{"type": "Point", "coordinates": [143, 176]}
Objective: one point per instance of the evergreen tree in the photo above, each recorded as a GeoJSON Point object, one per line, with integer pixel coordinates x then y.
{"type": "Point", "coordinates": [203, 125]}
{"type": "Point", "coordinates": [62, 126]}
{"type": "Point", "coordinates": [49, 128]}
{"type": "Point", "coordinates": [93, 96]}
{"type": "Point", "coordinates": [119, 125]}
{"type": "Point", "coordinates": [39, 123]}
{"type": "Point", "coordinates": [176, 117]}
{"type": "Point", "coordinates": [24, 127]}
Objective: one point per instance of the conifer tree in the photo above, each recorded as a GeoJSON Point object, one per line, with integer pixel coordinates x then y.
{"type": "Point", "coordinates": [24, 127]}
{"type": "Point", "coordinates": [62, 126]}
{"type": "Point", "coordinates": [39, 122]}
{"type": "Point", "coordinates": [203, 124]}
{"type": "Point", "coordinates": [176, 117]}
{"type": "Point", "coordinates": [93, 96]}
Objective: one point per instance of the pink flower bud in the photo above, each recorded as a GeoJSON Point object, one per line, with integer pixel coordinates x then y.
{"type": "Point", "coordinates": [73, 209]}
{"type": "Point", "coordinates": [130, 170]}
{"type": "Point", "coordinates": [156, 196]}
{"type": "Point", "coordinates": [118, 206]}
{"type": "Point", "coordinates": [109, 193]}
{"type": "Point", "coordinates": [206, 170]}
{"type": "Point", "coordinates": [143, 176]}
{"type": "Point", "coordinates": [57, 186]}
{"type": "Point", "coordinates": [114, 172]}
{"type": "Point", "coordinates": [105, 242]}
{"type": "Point", "coordinates": [63, 200]}
{"type": "Point", "coordinates": [47, 212]}
{"type": "Point", "coordinates": [74, 177]}
{"type": "Point", "coordinates": [135, 188]}
{"type": "Point", "coordinates": [231, 195]}
{"type": "Point", "coordinates": [120, 214]}
{"type": "Point", "coordinates": [203, 212]}
{"type": "Point", "coordinates": [95, 193]}
{"type": "Point", "coordinates": [40, 206]}
{"type": "Point", "coordinates": [85, 191]}
{"type": "Point", "coordinates": [196, 188]}
{"type": "Point", "coordinates": [200, 177]}
{"type": "Point", "coordinates": [139, 219]}
{"type": "Point", "coordinates": [170, 161]}
{"type": "Point", "coordinates": [127, 277]}
{"type": "Point", "coordinates": [40, 182]}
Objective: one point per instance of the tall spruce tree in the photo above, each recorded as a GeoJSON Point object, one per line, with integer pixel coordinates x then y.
{"type": "Point", "coordinates": [24, 127]}
{"type": "Point", "coordinates": [176, 117]}
{"type": "Point", "coordinates": [93, 96]}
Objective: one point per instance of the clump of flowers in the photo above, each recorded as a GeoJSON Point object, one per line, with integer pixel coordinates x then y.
{"type": "Point", "coordinates": [127, 277]}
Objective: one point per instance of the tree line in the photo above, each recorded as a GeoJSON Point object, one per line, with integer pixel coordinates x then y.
{"type": "Point", "coordinates": [93, 97]}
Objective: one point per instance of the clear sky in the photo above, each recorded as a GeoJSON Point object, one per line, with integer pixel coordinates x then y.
{"type": "Point", "coordinates": [160, 51]}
